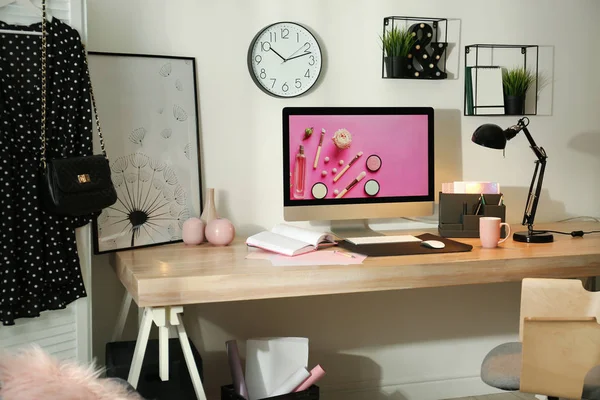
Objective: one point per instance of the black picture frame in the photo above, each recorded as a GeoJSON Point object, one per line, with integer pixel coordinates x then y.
{"type": "Point", "coordinates": [148, 108]}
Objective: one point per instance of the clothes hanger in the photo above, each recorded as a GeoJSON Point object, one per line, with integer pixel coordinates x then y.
{"type": "Point", "coordinates": [31, 8]}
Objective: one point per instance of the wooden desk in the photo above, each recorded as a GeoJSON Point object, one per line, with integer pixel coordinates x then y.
{"type": "Point", "coordinates": [162, 279]}
{"type": "Point", "coordinates": [180, 274]}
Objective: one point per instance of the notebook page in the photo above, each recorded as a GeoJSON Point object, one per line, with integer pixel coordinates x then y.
{"type": "Point", "coordinates": [276, 243]}
{"type": "Point", "coordinates": [304, 235]}
{"type": "Point", "coordinates": [487, 90]}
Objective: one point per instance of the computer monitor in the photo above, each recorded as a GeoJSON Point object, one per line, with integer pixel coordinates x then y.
{"type": "Point", "coordinates": [351, 164]}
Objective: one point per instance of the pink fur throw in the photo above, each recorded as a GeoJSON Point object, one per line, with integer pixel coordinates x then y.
{"type": "Point", "coordinates": [32, 374]}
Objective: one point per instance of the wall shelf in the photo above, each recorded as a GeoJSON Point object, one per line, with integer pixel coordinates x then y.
{"type": "Point", "coordinates": [480, 57]}
{"type": "Point", "coordinates": [427, 58]}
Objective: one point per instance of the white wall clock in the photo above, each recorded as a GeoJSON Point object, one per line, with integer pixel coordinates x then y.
{"type": "Point", "coordinates": [284, 59]}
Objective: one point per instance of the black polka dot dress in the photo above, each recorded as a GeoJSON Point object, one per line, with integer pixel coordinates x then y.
{"type": "Point", "coordinates": [39, 264]}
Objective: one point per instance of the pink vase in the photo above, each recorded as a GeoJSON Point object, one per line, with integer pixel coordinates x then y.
{"type": "Point", "coordinates": [193, 231]}
{"type": "Point", "coordinates": [220, 232]}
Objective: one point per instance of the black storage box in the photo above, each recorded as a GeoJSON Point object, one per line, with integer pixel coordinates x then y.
{"type": "Point", "coordinates": [179, 386]}
{"type": "Point", "coordinates": [312, 393]}
{"type": "Point", "coordinates": [459, 213]}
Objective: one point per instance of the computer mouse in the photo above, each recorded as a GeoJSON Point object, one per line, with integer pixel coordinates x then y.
{"type": "Point", "coordinates": [433, 244]}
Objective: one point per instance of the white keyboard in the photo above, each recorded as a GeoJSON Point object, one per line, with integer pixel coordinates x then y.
{"type": "Point", "coordinates": [383, 239]}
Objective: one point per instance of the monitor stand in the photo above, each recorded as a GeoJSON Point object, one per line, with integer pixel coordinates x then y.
{"type": "Point", "coordinates": [352, 228]}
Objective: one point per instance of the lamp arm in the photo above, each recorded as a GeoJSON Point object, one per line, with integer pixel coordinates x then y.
{"type": "Point", "coordinates": [539, 152]}
{"type": "Point", "coordinates": [535, 191]}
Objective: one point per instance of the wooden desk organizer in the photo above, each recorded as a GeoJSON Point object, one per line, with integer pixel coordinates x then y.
{"type": "Point", "coordinates": [453, 222]}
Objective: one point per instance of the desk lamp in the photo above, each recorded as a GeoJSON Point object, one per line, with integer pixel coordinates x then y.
{"type": "Point", "coordinates": [492, 136]}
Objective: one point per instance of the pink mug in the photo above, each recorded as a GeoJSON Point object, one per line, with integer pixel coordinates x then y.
{"type": "Point", "coordinates": [489, 231]}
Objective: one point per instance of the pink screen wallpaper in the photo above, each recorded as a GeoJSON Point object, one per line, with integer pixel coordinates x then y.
{"type": "Point", "coordinates": [400, 142]}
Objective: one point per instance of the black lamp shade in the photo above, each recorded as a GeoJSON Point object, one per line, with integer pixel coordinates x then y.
{"type": "Point", "coordinates": [489, 135]}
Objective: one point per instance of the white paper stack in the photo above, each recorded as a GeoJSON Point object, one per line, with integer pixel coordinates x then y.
{"type": "Point", "coordinates": [471, 187]}
{"type": "Point", "coordinates": [272, 363]}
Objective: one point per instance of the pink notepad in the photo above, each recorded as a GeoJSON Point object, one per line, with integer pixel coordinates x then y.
{"type": "Point", "coordinates": [323, 257]}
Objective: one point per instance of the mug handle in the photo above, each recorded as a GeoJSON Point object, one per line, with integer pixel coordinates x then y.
{"type": "Point", "coordinates": [507, 232]}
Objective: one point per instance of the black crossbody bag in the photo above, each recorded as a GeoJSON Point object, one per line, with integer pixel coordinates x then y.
{"type": "Point", "coordinates": [73, 186]}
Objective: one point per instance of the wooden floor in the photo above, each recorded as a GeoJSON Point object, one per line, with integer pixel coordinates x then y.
{"type": "Point", "coordinates": [501, 396]}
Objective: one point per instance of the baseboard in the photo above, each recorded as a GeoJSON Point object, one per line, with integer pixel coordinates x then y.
{"type": "Point", "coordinates": [432, 390]}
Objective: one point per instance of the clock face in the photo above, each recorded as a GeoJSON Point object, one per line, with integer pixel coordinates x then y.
{"type": "Point", "coordinates": [284, 59]}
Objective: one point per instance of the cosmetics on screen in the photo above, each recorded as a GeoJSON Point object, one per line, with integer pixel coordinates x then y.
{"type": "Point", "coordinates": [373, 163]}
{"type": "Point", "coordinates": [351, 184]}
{"type": "Point", "coordinates": [343, 171]}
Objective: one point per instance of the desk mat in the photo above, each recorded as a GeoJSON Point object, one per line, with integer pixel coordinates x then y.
{"type": "Point", "coordinates": [405, 249]}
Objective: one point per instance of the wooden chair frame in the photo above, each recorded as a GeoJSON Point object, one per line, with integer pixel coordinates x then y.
{"type": "Point", "coordinates": [560, 335]}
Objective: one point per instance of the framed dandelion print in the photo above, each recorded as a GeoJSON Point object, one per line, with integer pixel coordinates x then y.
{"type": "Point", "coordinates": [147, 106]}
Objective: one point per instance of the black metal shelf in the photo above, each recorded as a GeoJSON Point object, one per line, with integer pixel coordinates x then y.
{"type": "Point", "coordinates": [474, 51]}
{"type": "Point", "coordinates": [427, 58]}
{"type": "Point", "coordinates": [502, 46]}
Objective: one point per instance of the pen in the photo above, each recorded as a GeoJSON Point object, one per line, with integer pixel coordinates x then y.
{"type": "Point", "coordinates": [478, 206]}
{"type": "Point", "coordinates": [475, 206]}
{"type": "Point", "coordinates": [319, 148]}
{"type": "Point", "coordinates": [501, 201]}
{"type": "Point", "coordinates": [344, 254]}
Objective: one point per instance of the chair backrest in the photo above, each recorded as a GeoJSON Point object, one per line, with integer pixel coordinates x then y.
{"type": "Point", "coordinates": [560, 336]}
{"type": "Point", "coordinates": [557, 298]}
{"type": "Point", "coordinates": [558, 353]}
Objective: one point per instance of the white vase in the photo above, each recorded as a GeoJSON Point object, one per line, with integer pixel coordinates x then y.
{"type": "Point", "coordinates": [209, 211]}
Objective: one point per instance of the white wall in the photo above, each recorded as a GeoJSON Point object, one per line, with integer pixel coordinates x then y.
{"type": "Point", "coordinates": [407, 342]}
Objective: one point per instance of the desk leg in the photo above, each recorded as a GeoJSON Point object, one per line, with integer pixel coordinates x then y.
{"type": "Point", "coordinates": [189, 360]}
{"type": "Point", "coordinates": [140, 347]}
{"type": "Point", "coordinates": [122, 318]}
{"type": "Point", "coordinates": [164, 317]}
{"type": "Point", "coordinates": [160, 319]}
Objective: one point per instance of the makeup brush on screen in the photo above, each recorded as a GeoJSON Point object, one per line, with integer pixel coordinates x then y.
{"type": "Point", "coordinates": [352, 184]}
{"type": "Point", "coordinates": [319, 148]}
{"type": "Point", "coordinates": [342, 172]}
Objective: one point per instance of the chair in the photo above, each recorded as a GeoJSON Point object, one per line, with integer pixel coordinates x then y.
{"type": "Point", "coordinates": [559, 343]}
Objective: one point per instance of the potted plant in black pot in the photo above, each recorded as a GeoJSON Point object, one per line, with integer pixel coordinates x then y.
{"type": "Point", "coordinates": [516, 82]}
{"type": "Point", "coordinates": [397, 43]}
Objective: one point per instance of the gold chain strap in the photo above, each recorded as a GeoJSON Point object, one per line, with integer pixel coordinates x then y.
{"type": "Point", "coordinates": [45, 94]}
{"type": "Point", "coordinates": [44, 56]}
{"type": "Point", "coordinates": [87, 71]}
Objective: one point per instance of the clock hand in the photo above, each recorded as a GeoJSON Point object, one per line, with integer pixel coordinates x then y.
{"type": "Point", "coordinates": [274, 51]}
{"type": "Point", "coordinates": [294, 53]}
{"type": "Point", "coordinates": [301, 55]}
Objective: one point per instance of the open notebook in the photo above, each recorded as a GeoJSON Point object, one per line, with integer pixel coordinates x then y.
{"type": "Point", "coordinates": [290, 240]}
